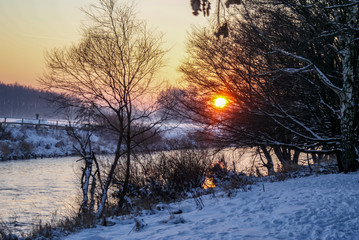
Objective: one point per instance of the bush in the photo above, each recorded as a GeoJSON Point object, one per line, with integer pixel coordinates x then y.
{"type": "Point", "coordinates": [169, 176]}
{"type": "Point", "coordinates": [162, 177]}
{"type": "Point", "coordinates": [5, 150]}
{"type": "Point", "coordinates": [4, 134]}
{"type": "Point", "coordinates": [180, 171]}
{"type": "Point", "coordinates": [220, 176]}
{"type": "Point", "coordinates": [25, 147]}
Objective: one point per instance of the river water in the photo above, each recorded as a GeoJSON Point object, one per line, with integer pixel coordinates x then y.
{"type": "Point", "coordinates": [37, 189]}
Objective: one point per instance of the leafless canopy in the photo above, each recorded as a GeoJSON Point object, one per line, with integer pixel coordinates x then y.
{"type": "Point", "coordinates": [112, 66]}
{"type": "Point", "coordinates": [111, 74]}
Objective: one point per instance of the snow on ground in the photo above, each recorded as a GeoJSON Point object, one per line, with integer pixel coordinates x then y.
{"type": "Point", "coordinates": [323, 207]}
{"type": "Point", "coordinates": [30, 141]}
{"type": "Point", "coordinates": [22, 142]}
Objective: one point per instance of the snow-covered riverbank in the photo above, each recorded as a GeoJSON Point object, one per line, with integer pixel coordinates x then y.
{"type": "Point", "coordinates": [38, 141]}
{"type": "Point", "coordinates": [31, 141]}
{"type": "Point", "coordinates": [23, 142]}
{"type": "Point", "coordinates": [322, 207]}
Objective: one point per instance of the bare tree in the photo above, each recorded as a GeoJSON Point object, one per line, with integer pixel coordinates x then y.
{"type": "Point", "coordinates": [316, 40]}
{"type": "Point", "coordinates": [222, 67]}
{"type": "Point", "coordinates": [90, 172]}
{"type": "Point", "coordinates": [111, 70]}
{"type": "Point", "coordinates": [333, 24]}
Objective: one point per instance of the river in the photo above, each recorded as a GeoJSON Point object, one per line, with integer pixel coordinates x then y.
{"type": "Point", "coordinates": [37, 189]}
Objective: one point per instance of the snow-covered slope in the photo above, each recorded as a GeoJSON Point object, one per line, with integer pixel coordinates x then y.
{"type": "Point", "coordinates": [323, 207]}
{"type": "Point", "coordinates": [30, 141]}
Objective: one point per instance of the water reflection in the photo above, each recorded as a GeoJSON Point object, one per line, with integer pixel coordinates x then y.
{"type": "Point", "coordinates": [31, 190]}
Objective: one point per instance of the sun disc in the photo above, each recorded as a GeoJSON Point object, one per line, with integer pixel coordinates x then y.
{"type": "Point", "coordinates": [220, 102]}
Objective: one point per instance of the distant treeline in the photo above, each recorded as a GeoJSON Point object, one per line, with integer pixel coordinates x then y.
{"type": "Point", "coordinates": [24, 102]}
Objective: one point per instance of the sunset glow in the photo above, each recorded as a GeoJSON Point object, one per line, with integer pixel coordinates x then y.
{"type": "Point", "coordinates": [208, 183]}
{"type": "Point", "coordinates": [220, 102]}
{"type": "Point", "coordinates": [31, 28]}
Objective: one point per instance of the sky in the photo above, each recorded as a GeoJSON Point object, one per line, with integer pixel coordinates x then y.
{"type": "Point", "coordinates": [29, 28]}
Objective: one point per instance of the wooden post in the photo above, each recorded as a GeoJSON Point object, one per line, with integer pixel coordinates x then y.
{"type": "Point", "coordinates": [37, 125]}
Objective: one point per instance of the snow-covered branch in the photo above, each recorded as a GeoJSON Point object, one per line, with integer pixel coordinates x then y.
{"type": "Point", "coordinates": [320, 74]}
{"type": "Point", "coordinates": [343, 5]}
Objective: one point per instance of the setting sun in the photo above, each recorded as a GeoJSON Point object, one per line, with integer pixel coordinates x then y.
{"type": "Point", "coordinates": [220, 102]}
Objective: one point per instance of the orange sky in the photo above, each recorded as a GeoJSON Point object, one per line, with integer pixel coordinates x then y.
{"type": "Point", "coordinates": [30, 27]}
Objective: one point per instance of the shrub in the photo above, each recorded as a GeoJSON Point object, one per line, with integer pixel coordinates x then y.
{"type": "Point", "coordinates": [183, 170]}
{"type": "Point", "coordinates": [162, 177]}
{"type": "Point", "coordinates": [221, 177]}
{"type": "Point", "coordinates": [5, 150]}
{"type": "Point", "coordinates": [25, 147]}
{"type": "Point", "coordinates": [4, 134]}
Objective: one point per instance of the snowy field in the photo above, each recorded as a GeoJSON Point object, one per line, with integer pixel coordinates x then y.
{"type": "Point", "coordinates": [323, 207]}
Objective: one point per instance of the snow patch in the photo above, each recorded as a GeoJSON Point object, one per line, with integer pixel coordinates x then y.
{"type": "Point", "coordinates": [323, 207]}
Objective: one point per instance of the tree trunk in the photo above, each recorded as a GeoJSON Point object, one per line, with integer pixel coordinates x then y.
{"type": "Point", "coordinates": [296, 156]}
{"type": "Point", "coordinates": [269, 164]}
{"type": "Point", "coordinates": [283, 154]}
{"type": "Point", "coordinates": [348, 156]}
{"type": "Point", "coordinates": [339, 161]}
{"type": "Point", "coordinates": [85, 182]}
{"type": "Point", "coordinates": [349, 95]}
{"type": "Point", "coordinates": [125, 184]}
{"type": "Point", "coordinates": [92, 192]}
{"type": "Point", "coordinates": [109, 179]}
{"type": "Point", "coordinates": [278, 153]}
{"type": "Point", "coordinates": [128, 162]}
